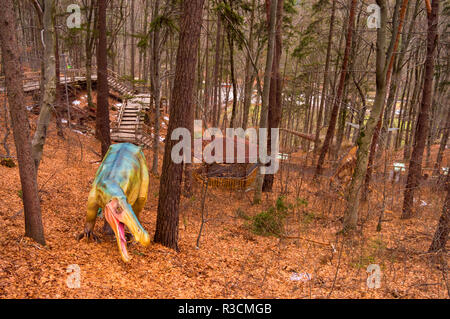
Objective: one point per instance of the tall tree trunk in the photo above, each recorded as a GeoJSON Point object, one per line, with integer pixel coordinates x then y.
{"type": "Point", "coordinates": [13, 77]}
{"type": "Point", "coordinates": [403, 106]}
{"type": "Point", "coordinates": [418, 81]}
{"type": "Point", "coordinates": [373, 147]}
{"type": "Point", "coordinates": [58, 87]}
{"type": "Point", "coordinates": [181, 102]}
{"type": "Point", "coordinates": [48, 100]}
{"type": "Point", "coordinates": [91, 25]}
{"type": "Point", "coordinates": [325, 80]}
{"type": "Point", "coordinates": [441, 235]}
{"type": "Point", "coordinates": [263, 122]}
{"type": "Point", "coordinates": [443, 144]}
{"type": "Point", "coordinates": [219, 91]}
{"type": "Point", "coordinates": [102, 121]}
{"type": "Point", "coordinates": [249, 78]}
{"type": "Point", "coordinates": [365, 136]}
{"type": "Point", "coordinates": [233, 79]}
{"type": "Point", "coordinates": [206, 93]}
{"type": "Point", "coordinates": [337, 101]}
{"type": "Point", "coordinates": [133, 47]}
{"type": "Point", "coordinates": [156, 87]}
{"type": "Point", "coordinates": [217, 63]}
{"type": "Point", "coordinates": [275, 98]}
{"type": "Point", "coordinates": [415, 164]}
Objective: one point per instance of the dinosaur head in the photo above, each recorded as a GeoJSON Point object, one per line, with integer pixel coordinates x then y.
{"type": "Point", "coordinates": [119, 214]}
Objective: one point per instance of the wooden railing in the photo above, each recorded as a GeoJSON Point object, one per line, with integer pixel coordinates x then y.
{"type": "Point", "coordinates": [118, 121]}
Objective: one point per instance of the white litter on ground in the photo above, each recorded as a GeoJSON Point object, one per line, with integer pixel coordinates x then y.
{"type": "Point", "coordinates": [399, 167]}
{"type": "Point", "coordinates": [76, 102]}
{"type": "Point", "coordinates": [303, 277]}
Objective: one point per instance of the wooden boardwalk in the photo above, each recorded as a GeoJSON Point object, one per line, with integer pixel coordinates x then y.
{"type": "Point", "coordinates": [129, 125]}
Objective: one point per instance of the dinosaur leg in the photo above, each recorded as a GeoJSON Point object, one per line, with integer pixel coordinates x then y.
{"type": "Point", "coordinates": [107, 230]}
{"type": "Point", "coordinates": [91, 217]}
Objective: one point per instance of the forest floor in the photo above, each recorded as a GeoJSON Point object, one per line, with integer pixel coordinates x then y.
{"type": "Point", "coordinates": [311, 259]}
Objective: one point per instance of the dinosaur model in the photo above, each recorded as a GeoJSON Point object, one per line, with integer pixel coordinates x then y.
{"type": "Point", "coordinates": [120, 191]}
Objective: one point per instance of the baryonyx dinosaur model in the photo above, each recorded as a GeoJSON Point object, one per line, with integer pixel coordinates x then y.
{"type": "Point", "coordinates": [120, 190]}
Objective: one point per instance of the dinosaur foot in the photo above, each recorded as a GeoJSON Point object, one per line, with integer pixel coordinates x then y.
{"type": "Point", "coordinates": [89, 235]}
{"type": "Point", "coordinates": [107, 230]}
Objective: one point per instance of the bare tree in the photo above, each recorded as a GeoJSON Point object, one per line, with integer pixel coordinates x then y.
{"type": "Point", "coordinates": [156, 84]}
{"type": "Point", "coordinates": [263, 121]}
{"type": "Point", "coordinates": [415, 163]}
{"type": "Point", "coordinates": [102, 119]}
{"type": "Point", "coordinates": [319, 120]}
{"type": "Point", "coordinates": [181, 102]}
{"type": "Point", "coordinates": [365, 135]}
{"type": "Point", "coordinates": [13, 75]}
{"type": "Point", "coordinates": [49, 93]}
{"type": "Point", "coordinates": [340, 91]}
{"type": "Point", "coordinates": [275, 97]}
{"type": "Point", "coordinates": [441, 235]}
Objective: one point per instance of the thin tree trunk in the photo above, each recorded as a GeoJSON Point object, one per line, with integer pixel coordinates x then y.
{"type": "Point", "coordinates": [19, 121]}
{"type": "Point", "coordinates": [206, 93]}
{"type": "Point", "coordinates": [248, 89]}
{"type": "Point", "coordinates": [275, 97]}
{"type": "Point", "coordinates": [443, 144]}
{"type": "Point", "coordinates": [91, 24]}
{"type": "Point", "coordinates": [441, 235]}
{"type": "Point", "coordinates": [133, 47]}
{"type": "Point", "coordinates": [337, 101]}
{"type": "Point", "coordinates": [263, 122]}
{"type": "Point", "coordinates": [377, 132]}
{"type": "Point", "coordinates": [156, 87]}
{"type": "Point", "coordinates": [415, 164]}
{"type": "Point", "coordinates": [216, 72]}
{"type": "Point", "coordinates": [48, 100]}
{"type": "Point", "coordinates": [366, 134]}
{"type": "Point", "coordinates": [102, 120]}
{"type": "Point", "coordinates": [325, 80]}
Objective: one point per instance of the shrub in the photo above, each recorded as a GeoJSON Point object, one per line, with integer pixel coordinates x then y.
{"type": "Point", "coordinates": [270, 222]}
{"type": "Point", "coordinates": [8, 162]}
{"type": "Point", "coordinates": [241, 214]}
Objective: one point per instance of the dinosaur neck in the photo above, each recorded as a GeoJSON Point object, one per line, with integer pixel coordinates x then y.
{"type": "Point", "coordinates": [112, 190]}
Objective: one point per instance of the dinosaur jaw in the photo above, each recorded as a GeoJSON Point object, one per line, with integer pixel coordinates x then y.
{"type": "Point", "coordinates": [118, 215]}
{"type": "Point", "coordinates": [122, 241]}
{"type": "Point", "coordinates": [119, 229]}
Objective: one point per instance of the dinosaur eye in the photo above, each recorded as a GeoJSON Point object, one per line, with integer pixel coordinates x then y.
{"type": "Point", "coordinates": [119, 210]}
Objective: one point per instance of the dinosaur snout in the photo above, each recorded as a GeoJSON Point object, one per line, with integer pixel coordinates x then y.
{"type": "Point", "coordinates": [142, 237]}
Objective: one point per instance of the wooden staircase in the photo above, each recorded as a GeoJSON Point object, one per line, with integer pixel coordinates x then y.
{"type": "Point", "coordinates": [115, 83]}
{"type": "Point", "coordinates": [129, 126]}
